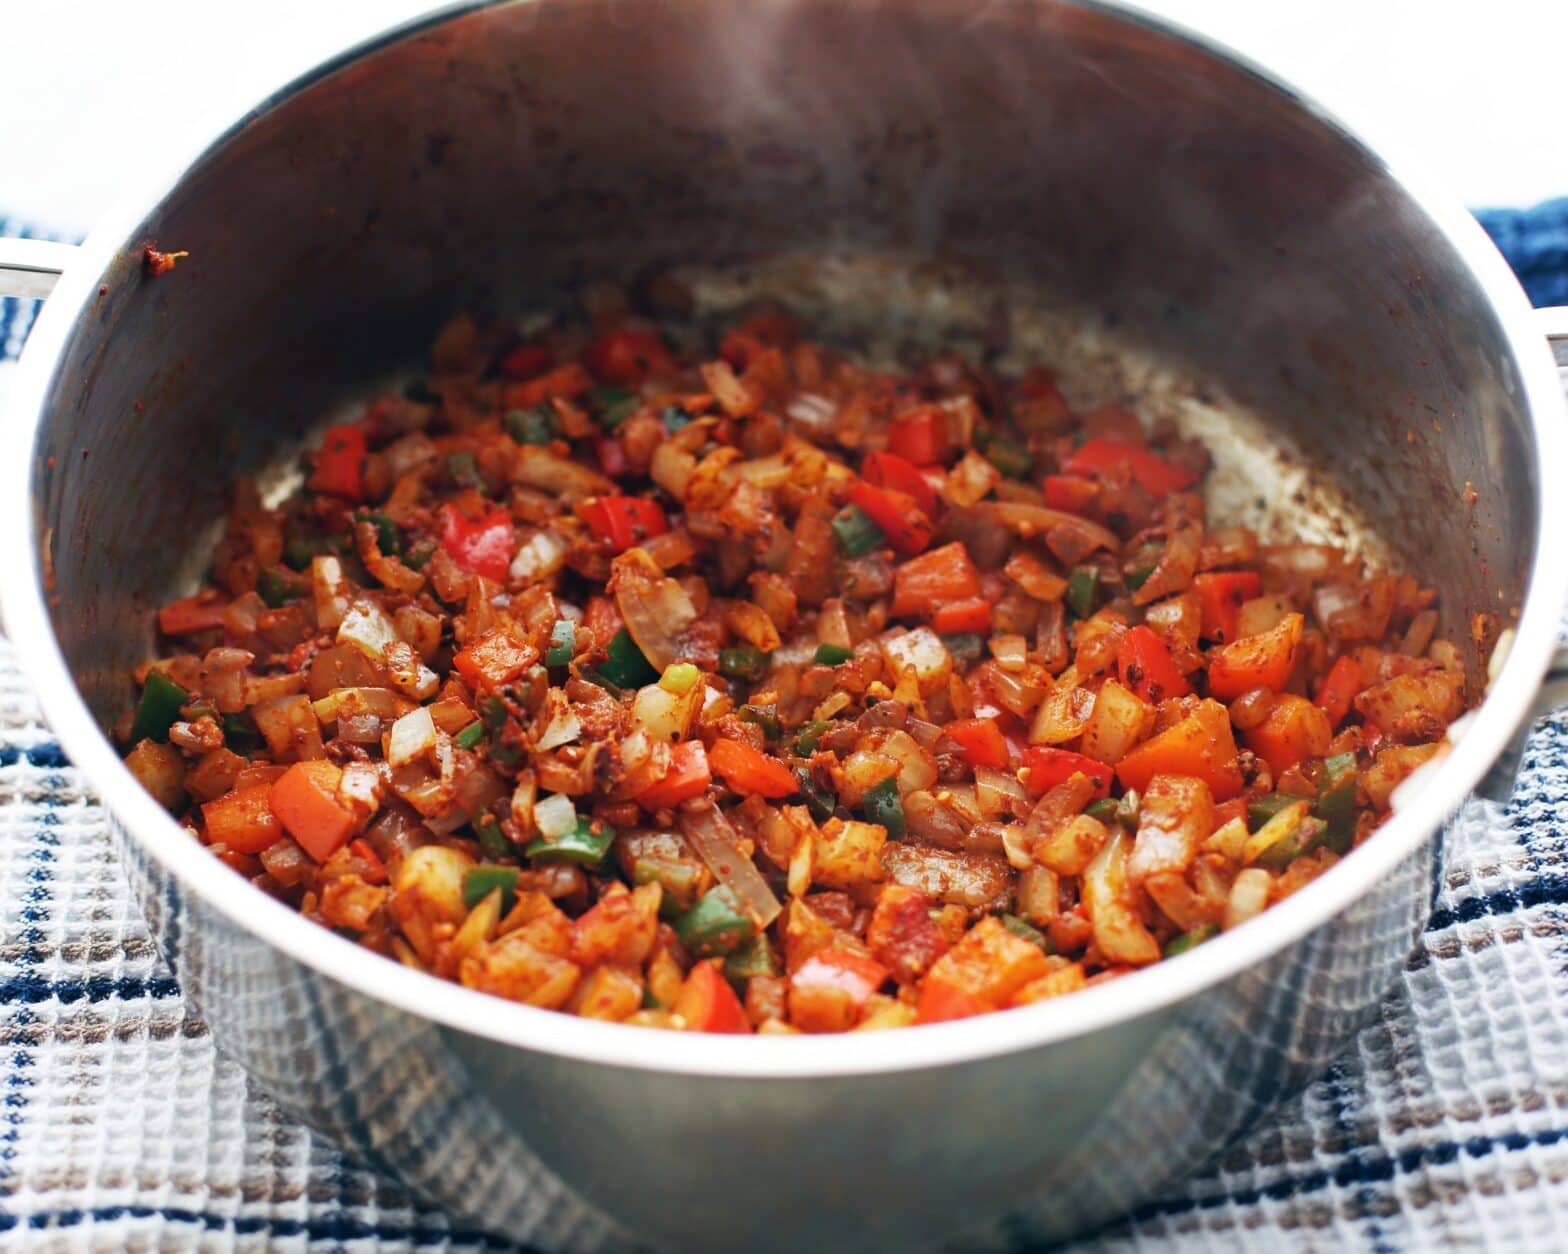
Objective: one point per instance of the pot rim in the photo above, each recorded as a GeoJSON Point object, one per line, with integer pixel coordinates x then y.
{"type": "Point", "coordinates": [1155, 989]}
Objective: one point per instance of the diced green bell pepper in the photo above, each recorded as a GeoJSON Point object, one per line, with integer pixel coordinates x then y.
{"type": "Point", "coordinates": [158, 709]}
{"type": "Point", "coordinates": [883, 805]}
{"type": "Point", "coordinates": [530, 426]}
{"type": "Point", "coordinates": [563, 643]}
{"type": "Point", "coordinates": [472, 736]}
{"type": "Point", "coordinates": [1336, 802]}
{"type": "Point", "coordinates": [277, 589]}
{"type": "Point", "coordinates": [818, 800]}
{"type": "Point", "coordinates": [763, 716]}
{"type": "Point", "coordinates": [1010, 457]}
{"type": "Point", "coordinates": [964, 646]}
{"type": "Point", "coordinates": [857, 534]}
{"type": "Point", "coordinates": [624, 664]}
{"type": "Point", "coordinates": [743, 662]}
{"type": "Point", "coordinates": [754, 958]}
{"type": "Point", "coordinates": [491, 838]}
{"type": "Point", "coordinates": [463, 470]}
{"type": "Point", "coordinates": [480, 881]}
{"type": "Point", "coordinates": [831, 654]}
{"type": "Point", "coordinates": [1025, 930]}
{"type": "Point", "coordinates": [1083, 590]}
{"type": "Point", "coordinates": [715, 925]}
{"type": "Point", "coordinates": [810, 735]}
{"type": "Point", "coordinates": [1190, 940]}
{"type": "Point", "coordinates": [1261, 809]}
{"type": "Point", "coordinates": [585, 845]}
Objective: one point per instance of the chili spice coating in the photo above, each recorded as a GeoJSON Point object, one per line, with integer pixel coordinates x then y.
{"type": "Point", "coordinates": [752, 689]}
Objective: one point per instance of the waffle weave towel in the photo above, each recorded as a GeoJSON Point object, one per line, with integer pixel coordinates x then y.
{"type": "Point", "coordinates": [1445, 1124]}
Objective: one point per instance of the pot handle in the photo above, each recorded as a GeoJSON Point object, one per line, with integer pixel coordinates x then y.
{"type": "Point", "coordinates": [1554, 322]}
{"type": "Point", "coordinates": [29, 268]}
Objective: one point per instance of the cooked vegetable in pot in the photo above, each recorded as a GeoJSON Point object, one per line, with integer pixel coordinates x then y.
{"type": "Point", "coordinates": [759, 690]}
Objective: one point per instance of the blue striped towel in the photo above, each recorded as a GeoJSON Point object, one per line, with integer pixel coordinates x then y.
{"type": "Point", "coordinates": [1445, 1124]}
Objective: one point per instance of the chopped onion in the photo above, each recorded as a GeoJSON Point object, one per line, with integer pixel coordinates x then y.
{"type": "Point", "coordinates": [413, 736]}
{"type": "Point", "coordinates": [998, 792]}
{"type": "Point", "coordinates": [343, 703]}
{"type": "Point", "coordinates": [1249, 893]}
{"type": "Point", "coordinates": [716, 843]}
{"type": "Point", "coordinates": [361, 786]}
{"type": "Point", "coordinates": [554, 816]}
{"type": "Point", "coordinates": [367, 627]}
{"type": "Point", "coordinates": [672, 469]}
{"type": "Point", "coordinates": [562, 477]}
{"type": "Point", "coordinates": [1036, 520]}
{"type": "Point", "coordinates": [1010, 652]}
{"type": "Point", "coordinates": [811, 410]}
{"type": "Point", "coordinates": [921, 649]}
{"type": "Point", "coordinates": [665, 715]}
{"type": "Point", "coordinates": [361, 729]}
{"type": "Point", "coordinates": [655, 608]}
{"type": "Point", "coordinates": [563, 727]}
{"type": "Point", "coordinates": [331, 591]}
{"type": "Point", "coordinates": [538, 558]}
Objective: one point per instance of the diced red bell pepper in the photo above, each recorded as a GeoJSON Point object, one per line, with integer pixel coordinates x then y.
{"type": "Point", "coordinates": [1070, 493]}
{"type": "Point", "coordinates": [889, 470]}
{"type": "Point", "coordinates": [1293, 730]}
{"type": "Point", "coordinates": [852, 973]}
{"type": "Point", "coordinates": [707, 1002]}
{"type": "Point", "coordinates": [1152, 471]}
{"type": "Point", "coordinates": [741, 348]}
{"type": "Point", "coordinates": [243, 820]}
{"type": "Point", "coordinates": [1146, 667]}
{"type": "Point", "coordinates": [1201, 745]}
{"type": "Point", "coordinates": [375, 871]}
{"type": "Point", "coordinates": [689, 776]}
{"type": "Point", "coordinates": [340, 465]}
{"type": "Point", "coordinates": [903, 522]}
{"type": "Point", "coordinates": [305, 799]}
{"type": "Point", "coordinates": [188, 614]}
{"type": "Point", "coordinates": [496, 658]}
{"type": "Point", "coordinates": [527, 360]}
{"type": "Point", "coordinates": [973, 614]}
{"type": "Point", "coordinates": [1221, 594]}
{"type": "Point", "coordinates": [1047, 767]}
{"type": "Point", "coordinates": [749, 772]}
{"type": "Point", "coordinates": [1339, 688]}
{"type": "Point", "coordinates": [924, 584]}
{"type": "Point", "coordinates": [567, 382]}
{"type": "Point", "coordinates": [1261, 661]}
{"type": "Point", "coordinates": [624, 521]}
{"type": "Point", "coordinates": [628, 355]}
{"type": "Point", "coordinates": [602, 618]}
{"type": "Point", "coordinates": [940, 1001]}
{"type": "Point", "coordinates": [981, 740]}
{"type": "Point", "coordinates": [612, 456]}
{"type": "Point", "coordinates": [920, 435]}
{"type": "Point", "coordinates": [481, 546]}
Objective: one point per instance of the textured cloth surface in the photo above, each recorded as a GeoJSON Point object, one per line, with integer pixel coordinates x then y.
{"type": "Point", "coordinates": [1444, 1125]}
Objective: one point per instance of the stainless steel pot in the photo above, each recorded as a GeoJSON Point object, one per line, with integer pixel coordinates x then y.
{"type": "Point", "coordinates": [490, 156]}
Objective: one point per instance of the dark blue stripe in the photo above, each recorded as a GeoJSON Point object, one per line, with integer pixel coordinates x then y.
{"type": "Point", "coordinates": [1363, 1167]}
{"type": "Point", "coordinates": [47, 756]}
{"type": "Point", "coordinates": [322, 1228]}
{"type": "Point", "coordinates": [26, 989]}
{"type": "Point", "coordinates": [1547, 889]}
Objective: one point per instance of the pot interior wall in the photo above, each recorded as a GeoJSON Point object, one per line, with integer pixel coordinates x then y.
{"type": "Point", "coordinates": [496, 159]}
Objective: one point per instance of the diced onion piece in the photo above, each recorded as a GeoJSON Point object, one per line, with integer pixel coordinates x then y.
{"type": "Point", "coordinates": [413, 736]}
{"type": "Point", "coordinates": [344, 702]}
{"type": "Point", "coordinates": [665, 715]}
{"type": "Point", "coordinates": [811, 410]}
{"type": "Point", "coordinates": [1248, 895]}
{"type": "Point", "coordinates": [1011, 652]}
{"type": "Point", "coordinates": [998, 792]}
{"type": "Point", "coordinates": [916, 767]}
{"type": "Point", "coordinates": [538, 558]}
{"type": "Point", "coordinates": [330, 590]}
{"type": "Point", "coordinates": [564, 725]}
{"type": "Point", "coordinates": [360, 787]}
{"type": "Point", "coordinates": [367, 627]}
{"type": "Point", "coordinates": [554, 816]}
{"type": "Point", "coordinates": [923, 650]}
{"type": "Point", "coordinates": [672, 469]}
{"type": "Point", "coordinates": [361, 729]}
{"type": "Point", "coordinates": [711, 835]}
{"type": "Point", "coordinates": [654, 607]}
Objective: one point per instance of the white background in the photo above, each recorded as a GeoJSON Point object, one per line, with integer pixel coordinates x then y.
{"type": "Point", "coordinates": [1473, 93]}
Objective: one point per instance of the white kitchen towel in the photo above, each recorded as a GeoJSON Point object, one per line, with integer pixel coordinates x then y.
{"type": "Point", "coordinates": [1444, 1125]}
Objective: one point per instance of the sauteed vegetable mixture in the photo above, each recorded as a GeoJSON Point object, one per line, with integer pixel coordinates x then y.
{"type": "Point", "coordinates": [757, 689]}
